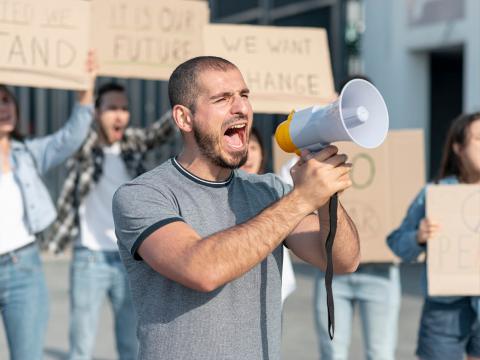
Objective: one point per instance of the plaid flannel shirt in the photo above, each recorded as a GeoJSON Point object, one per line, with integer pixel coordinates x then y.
{"type": "Point", "coordinates": [84, 170]}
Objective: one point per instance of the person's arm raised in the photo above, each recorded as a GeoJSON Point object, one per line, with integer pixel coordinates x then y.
{"type": "Point", "coordinates": [160, 132]}
{"type": "Point", "coordinates": [86, 97]}
{"type": "Point", "coordinates": [51, 150]}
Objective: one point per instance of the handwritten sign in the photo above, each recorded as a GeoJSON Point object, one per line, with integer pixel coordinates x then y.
{"type": "Point", "coordinates": [147, 39]}
{"type": "Point", "coordinates": [44, 43]}
{"type": "Point", "coordinates": [285, 68]}
{"type": "Point", "coordinates": [384, 182]}
{"type": "Point", "coordinates": [453, 259]}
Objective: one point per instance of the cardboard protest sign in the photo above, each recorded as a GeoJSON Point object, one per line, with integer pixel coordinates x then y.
{"type": "Point", "coordinates": [147, 39]}
{"type": "Point", "coordinates": [285, 68]}
{"type": "Point", "coordinates": [453, 256]}
{"type": "Point", "coordinates": [385, 181]}
{"type": "Point", "coordinates": [44, 43]}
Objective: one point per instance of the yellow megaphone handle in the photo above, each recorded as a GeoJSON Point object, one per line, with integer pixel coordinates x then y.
{"type": "Point", "coordinates": [283, 138]}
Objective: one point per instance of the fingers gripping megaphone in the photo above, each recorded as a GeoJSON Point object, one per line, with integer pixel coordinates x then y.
{"type": "Point", "coordinates": [359, 115]}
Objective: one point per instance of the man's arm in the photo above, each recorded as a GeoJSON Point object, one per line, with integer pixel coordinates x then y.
{"type": "Point", "coordinates": [308, 239]}
{"type": "Point", "coordinates": [158, 133]}
{"type": "Point", "coordinates": [51, 150]}
{"type": "Point", "coordinates": [180, 254]}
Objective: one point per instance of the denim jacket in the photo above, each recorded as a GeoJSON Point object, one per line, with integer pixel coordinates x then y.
{"type": "Point", "coordinates": [403, 241]}
{"type": "Point", "coordinates": [31, 159]}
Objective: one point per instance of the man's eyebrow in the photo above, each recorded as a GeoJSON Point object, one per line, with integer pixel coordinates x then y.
{"type": "Point", "coordinates": [228, 93]}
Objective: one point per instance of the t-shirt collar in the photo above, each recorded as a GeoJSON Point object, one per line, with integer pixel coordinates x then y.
{"type": "Point", "coordinates": [198, 180]}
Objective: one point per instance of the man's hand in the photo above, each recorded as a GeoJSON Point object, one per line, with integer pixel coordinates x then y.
{"type": "Point", "coordinates": [317, 176]}
{"type": "Point", "coordinates": [85, 97]}
{"type": "Point", "coordinates": [426, 230]}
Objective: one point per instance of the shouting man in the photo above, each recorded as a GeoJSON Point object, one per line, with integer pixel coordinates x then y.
{"type": "Point", "coordinates": [202, 241]}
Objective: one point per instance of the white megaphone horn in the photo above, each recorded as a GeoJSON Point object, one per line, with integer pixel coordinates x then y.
{"type": "Point", "coordinates": [359, 115]}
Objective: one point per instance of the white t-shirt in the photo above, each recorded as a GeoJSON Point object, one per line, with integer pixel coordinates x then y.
{"type": "Point", "coordinates": [96, 221]}
{"type": "Point", "coordinates": [13, 229]}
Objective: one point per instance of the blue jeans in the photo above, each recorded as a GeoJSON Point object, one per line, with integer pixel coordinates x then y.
{"type": "Point", "coordinates": [24, 302]}
{"type": "Point", "coordinates": [448, 331]}
{"type": "Point", "coordinates": [376, 290]}
{"type": "Point", "coordinates": [94, 275]}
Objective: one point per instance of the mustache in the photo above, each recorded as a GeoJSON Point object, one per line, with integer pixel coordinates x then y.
{"type": "Point", "coordinates": [233, 120]}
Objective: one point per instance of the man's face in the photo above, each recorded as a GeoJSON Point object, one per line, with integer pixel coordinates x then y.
{"type": "Point", "coordinates": [113, 115]}
{"type": "Point", "coordinates": [223, 117]}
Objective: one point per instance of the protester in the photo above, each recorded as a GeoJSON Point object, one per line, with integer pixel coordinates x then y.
{"type": "Point", "coordinates": [256, 159]}
{"type": "Point", "coordinates": [255, 164]}
{"type": "Point", "coordinates": [26, 209]}
{"type": "Point", "coordinates": [111, 155]}
{"type": "Point", "coordinates": [201, 241]}
{"type": "Point", "coordinates": [375, 289]}
{"type": "Point", "coordinates": [448, 326]}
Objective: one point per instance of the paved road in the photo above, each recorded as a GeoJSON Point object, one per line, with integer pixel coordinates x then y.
{"type": "Point", "coordinates": [299, 341]}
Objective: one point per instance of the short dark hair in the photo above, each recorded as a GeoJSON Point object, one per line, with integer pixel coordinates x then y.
{"type": "Point", "coordinates": [16, 134]}
{"type": "Point", "coordinates": [183, 87]}
{"type": "Point", "coordinates": [106, 88]}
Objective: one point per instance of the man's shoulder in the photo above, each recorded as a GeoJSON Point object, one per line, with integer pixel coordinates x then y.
{"type": "Point", "coordinates": [157, 175]}
{"type": "Point", "coordinates": [152, 181]}
{"type": "Point", "coordinates": [267, 178]}
{"type": "Point", "coordinates": [263, 181]}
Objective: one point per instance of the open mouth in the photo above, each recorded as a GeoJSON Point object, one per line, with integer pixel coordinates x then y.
{"type": "Point", "coordinates": [235, 136]}
{"type": "Point", "coordinates": [117, 131]}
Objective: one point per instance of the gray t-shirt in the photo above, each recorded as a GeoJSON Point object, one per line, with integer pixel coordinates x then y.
{"type": "Point", "coordinates": [240, 320]}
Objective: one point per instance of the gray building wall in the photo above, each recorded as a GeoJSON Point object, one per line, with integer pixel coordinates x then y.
{"type": "Point", "coordinates": [396, 48]}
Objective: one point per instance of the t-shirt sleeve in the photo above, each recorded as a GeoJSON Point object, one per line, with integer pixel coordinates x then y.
{"type": "Point", "coordinates": [282, 188]}
{"type": "Point", "coordinates": [138, 211]}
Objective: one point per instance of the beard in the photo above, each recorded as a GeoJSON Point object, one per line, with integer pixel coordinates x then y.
{"type": "Point", "coordinates": [209, 146]}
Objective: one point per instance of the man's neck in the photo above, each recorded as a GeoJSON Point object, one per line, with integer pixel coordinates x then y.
{"type": "Point", "coordinates": [202, 167]}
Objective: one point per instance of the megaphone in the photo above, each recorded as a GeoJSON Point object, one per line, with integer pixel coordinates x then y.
{"type": "Point", "coordinates": [359, 115]}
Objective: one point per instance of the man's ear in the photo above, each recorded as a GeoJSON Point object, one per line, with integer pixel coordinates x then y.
{"type": "Point", "coordinates": [457, 149]}
{"type": "Point", "coordinates": [183, 118]}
